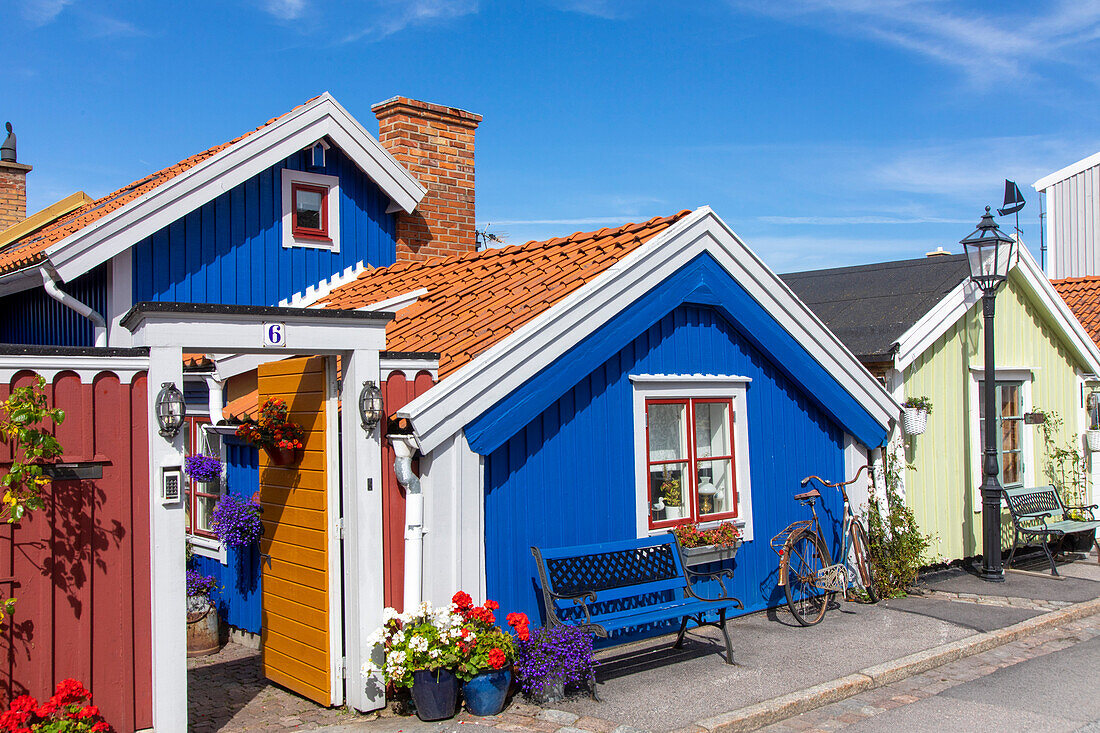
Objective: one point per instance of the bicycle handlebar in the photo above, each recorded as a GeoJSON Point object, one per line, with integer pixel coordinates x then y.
{"type": "Point", "coordinates": [837, 485]}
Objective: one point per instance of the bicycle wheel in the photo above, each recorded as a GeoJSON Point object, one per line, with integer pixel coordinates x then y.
{"type": "Point", "coordinates": [861, 550]}
{"type": "Point", "coordinates": [806, 555]}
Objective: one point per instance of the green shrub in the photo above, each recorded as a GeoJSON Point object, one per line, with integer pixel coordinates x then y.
{"type": "Point", "coordinates": [898, 547]}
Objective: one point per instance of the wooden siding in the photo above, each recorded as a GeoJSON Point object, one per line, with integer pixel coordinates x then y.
{"type": "Point", "coordinates": [32, 317]}
{"type": "Point", "coordinates": [568, 477]}
{"type": "Point", "coordinates": [397, 392]}
{"type": "Point", "coordinates": [81, 564]}
{"type": "Point", "coordinates": [1073, 225]}
{"type": "Point", "coordinates": [941, 487]}
{"type": "Point", "coordinates": [230, 250]}
{"type": "Point", "coordinates": [238, 593]}
{"type": "Point", "coordinates": [294, 560]}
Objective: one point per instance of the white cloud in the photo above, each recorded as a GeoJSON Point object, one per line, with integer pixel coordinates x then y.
{"type": "Point", "coordinates": [606, 9]}
{"type": "Point", "coordinates": [995, 46]}
{"type": "Point", "coordinates": [396, 15]}
{"type": "Point", "coordinates": [285, 9]}
{"type": "Point", "coordinates": [42, 12]}
{"type": "Point", "coordinates": [849, 220]}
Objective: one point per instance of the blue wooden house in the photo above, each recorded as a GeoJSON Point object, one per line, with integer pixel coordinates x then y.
{"type": "Point", "coordinates": [583, 377]}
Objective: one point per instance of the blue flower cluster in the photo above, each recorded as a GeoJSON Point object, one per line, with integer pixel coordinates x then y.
{"type": "Point", "coordinates": [551, 656]}
{"type": "Point", "coordinates": [236, 521]}
{"type": "Point", "coordinates": [199, 585]}
{"type": "Point", "coordinates": [202, 468]}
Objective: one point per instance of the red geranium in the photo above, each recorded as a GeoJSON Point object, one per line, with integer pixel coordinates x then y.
{"type": "Point", "coordinates": [69, 709]}
{"type": "Point", "coordinates": [497, 658]}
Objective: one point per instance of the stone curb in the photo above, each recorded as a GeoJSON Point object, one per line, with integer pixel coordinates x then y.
{"type": "Point", "coordinates": [780, 708]}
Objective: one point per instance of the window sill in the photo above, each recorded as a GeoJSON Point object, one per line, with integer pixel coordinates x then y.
{"type": "Point", "coordinates": [208, 547]}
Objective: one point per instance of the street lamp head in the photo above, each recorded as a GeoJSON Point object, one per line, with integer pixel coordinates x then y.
{"type": "Point", "coordinates": [990, 253]}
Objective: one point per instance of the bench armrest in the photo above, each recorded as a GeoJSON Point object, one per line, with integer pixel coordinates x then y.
{"type": "Point", "coordinates": [720, 576]}
{"type": "Point", "coordinates": [1083, 508]}
{"type": "Point", "coordinates": [582, 600]}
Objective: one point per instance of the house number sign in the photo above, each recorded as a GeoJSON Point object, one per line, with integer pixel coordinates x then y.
{"type": "Point", "coordinates": [274, 334]}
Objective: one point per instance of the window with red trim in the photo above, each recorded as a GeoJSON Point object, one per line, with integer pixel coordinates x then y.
{"type": "Point", "coordinates": [689, 460]}
{"type": "Point", "coordinates": [310, 212]}
{"type": "Point", "coordinates": [200, 497]}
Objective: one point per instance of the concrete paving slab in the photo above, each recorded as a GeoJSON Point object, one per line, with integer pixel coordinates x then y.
{"type": "Point", "coordinates": [1019, 585]}
{"type": "Point", "coordinates": [969, 615]}
{"type": "Point", "coordinates": [938, 714]}
{"type": "Point", "coordinates": [652, 687]}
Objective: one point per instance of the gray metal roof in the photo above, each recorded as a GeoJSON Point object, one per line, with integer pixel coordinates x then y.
{"type": "Point", "coordinates": [869, 307]}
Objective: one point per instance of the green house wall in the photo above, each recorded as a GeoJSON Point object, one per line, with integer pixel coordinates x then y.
{"type": "Point", "coordinates": [941, 485]}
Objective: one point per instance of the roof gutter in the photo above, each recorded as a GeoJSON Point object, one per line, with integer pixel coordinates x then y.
{"type": "Point", "coordinates": [99, 325]}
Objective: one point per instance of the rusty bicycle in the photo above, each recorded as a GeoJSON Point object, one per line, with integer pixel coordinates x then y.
{"type": "Point", "coordinates": [809, 573]}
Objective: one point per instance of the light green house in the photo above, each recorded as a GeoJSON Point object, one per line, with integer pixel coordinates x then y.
{"type": "Point", "coordinates": [917, 325]}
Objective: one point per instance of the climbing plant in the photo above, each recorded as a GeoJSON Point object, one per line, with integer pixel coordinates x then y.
{"type": "Point", "coordinates": [26, 419]}
{"type": "Point", "coordinates": [898, 547]}
{"type": "Point", "coordinates": [1063, 462]}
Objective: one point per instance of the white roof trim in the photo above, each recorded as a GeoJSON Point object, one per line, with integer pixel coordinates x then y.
{"type": "Point", "coordinates": [444, 410]}
{"type": "Point", "coordinates": [922, 334]}
{"type": "Point", "coordinates": [696, 378]}
{"type": "Point", "coordinates": [395, 303]}
{"type": "Point", "coordinates": [314, 293]}
{"type": "Point", "coordinates": [299, 129]}
{"type": "Point", "coordinates": [1068, 172]}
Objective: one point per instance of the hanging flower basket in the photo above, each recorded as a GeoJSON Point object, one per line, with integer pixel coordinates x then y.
{"type": "Point", "coordinates": [914, 415]}
{"type": "Point", "coordinates": [280, 438]}
{"type": "Point", "coordinates": [1092, 440]}
{"type": "Point", "coordinates": [203, 468]}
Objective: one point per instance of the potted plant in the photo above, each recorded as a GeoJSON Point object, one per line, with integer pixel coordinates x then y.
{"type": "Point", "coordinates": [280, 438]}
{"type": "Point", "coordinates": [1092, 440]}
{"type": "Point", "coordinates": [671, 499]}
{"type": "Point", "coordinates": [550, 659]}
{"type": "Point", "coordinates": [70, 709]}
{"type": "Point", "coordinates": [487, 654]}
{"type": "Point", "coordinates": [203, 626]}
{"type": "Point", "coordinates": [914, 415]}
{"type": "Point", "coordinates": [203, 468]}
{"type": "Point", "coordinates": [236, 521]}
{"type": "Point", "coordinates": [712, 544]}
{"type": "Point", "coordinates": [422, 651]}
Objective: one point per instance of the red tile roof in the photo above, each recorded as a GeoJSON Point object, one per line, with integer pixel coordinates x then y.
{"type": "Point", "coordinates": [1082, 295]}
{"type": "Point", "coordinates": [31, 249]}
{"type": "Point", "coordinates": [475, 300]}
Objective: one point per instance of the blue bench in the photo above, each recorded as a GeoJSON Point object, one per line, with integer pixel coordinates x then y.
{"type": "Point", "coordinates": [616, 586]}
{"type": "Point", "coordinates": [1031, 508]}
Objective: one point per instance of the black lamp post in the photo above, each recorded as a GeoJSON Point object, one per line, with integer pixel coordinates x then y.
{"type": "Point", "coordinates": [991, 255]}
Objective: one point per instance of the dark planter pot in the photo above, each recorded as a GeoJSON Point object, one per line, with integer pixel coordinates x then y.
{"type": "Point", "coordinates": [1079, 541]}
{"type": "Point", "coordinates": [283, 456]}
{"type": "Point", "coordinates": [486, 692]}
{"type": "Point", "coordinates": [435, 694]}
{"type": "Point", "coordinates": [552, 691]}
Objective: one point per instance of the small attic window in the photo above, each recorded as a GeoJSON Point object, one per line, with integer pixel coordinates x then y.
{"type": "Point", "coordinates": [311, 210]}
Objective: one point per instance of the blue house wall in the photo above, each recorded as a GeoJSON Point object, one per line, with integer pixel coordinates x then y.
{"type": "Point", "coordinates": [32, 317]}
{"type": "Point", "coordinates": [230, 250]}
{"type": "Point", "coordinates": [237, 595]}
{"type": "Point", "coordinates": [568, 476]}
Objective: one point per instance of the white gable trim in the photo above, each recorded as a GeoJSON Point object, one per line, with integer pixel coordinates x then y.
{"type": "Point", "coordinates": [300, 129]}
{"type": "Point", "coordinates": [445, 409]}
{"type": "Point", "coordinates": [935, 323]}
{"type": "Point", "coordinates": [1068, 172]}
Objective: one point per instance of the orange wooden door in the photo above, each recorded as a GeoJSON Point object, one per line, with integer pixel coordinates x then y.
{"type": "Point", "coordinates": [297, 596]}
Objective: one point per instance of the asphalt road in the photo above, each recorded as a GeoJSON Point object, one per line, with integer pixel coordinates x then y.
{"type": "Point", "coordinates": [1059, 691]}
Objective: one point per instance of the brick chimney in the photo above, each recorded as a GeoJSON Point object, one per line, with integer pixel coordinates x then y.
{"type": "Point", "coordinates": [436, 144]}
{"type": "Point", "coordinates": [13, 184]}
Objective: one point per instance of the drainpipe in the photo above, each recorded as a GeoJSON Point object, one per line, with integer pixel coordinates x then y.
{"type": "Point", "coordinates": [404, 446]}
{"type": "Point", "coordinates": [99, 325]}
{"type": "Point", "coordinates": [214, 398]}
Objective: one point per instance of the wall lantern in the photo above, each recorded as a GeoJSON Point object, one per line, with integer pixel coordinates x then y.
{"type": "Point", "coordinates": [371, 409]}
{"type": "Point", "coordinates": [989, 252]}
{"type": "Point", "coordinates": [170, 410]}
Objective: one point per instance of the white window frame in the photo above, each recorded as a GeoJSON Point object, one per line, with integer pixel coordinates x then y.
{"type": "Point", "coordinates": [1025, 377]}
{"type": "Point", "coordinates": [209, 546]}
{"type": "Point", "coordinates": [686, 386]}
{"type": "Point", "coordinates": [332, 201]}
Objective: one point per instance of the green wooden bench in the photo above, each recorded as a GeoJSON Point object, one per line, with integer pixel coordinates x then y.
{"type": "Point", "coordinates": [1039, 512]}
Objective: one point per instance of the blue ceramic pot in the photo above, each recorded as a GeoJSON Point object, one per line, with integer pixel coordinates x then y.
{"type": "Point", "coordinates": [485, 693]}
{"type": "Point", "coordinates": [435, 694]}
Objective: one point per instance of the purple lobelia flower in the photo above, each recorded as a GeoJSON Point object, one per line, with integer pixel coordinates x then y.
{"type": "Point", "coordinates": [552, 657]}
{"type": "Point", "coordinates": [199, 585]}
{"type": "Point", "coordinates": [236, 521]}
{"type": "Point", "coordinates": [202, 468]}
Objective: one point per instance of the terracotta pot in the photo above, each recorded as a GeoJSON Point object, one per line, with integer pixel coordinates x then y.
{"type": "Point", "coordinates": [283, 456]}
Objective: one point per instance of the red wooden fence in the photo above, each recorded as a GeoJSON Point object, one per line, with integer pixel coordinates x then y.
{"type": "Point", "coordinates": [81, 565]}
{"type": "Point", "coordinates": [397, 392]}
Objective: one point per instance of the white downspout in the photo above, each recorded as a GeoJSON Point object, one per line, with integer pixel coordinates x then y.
{"type": "Point", "coordinates": [99, 325]}
{"type": "Point", "coordinates": [404, 446]}
{"type": "Point", "coordinates": [214, 398]}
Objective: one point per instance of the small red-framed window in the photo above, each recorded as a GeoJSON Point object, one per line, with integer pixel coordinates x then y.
{"type": "Point", "coordinates": [200, 498]}
{"type": "Point", "coordinates": [310, 211]}
{"type": "Point", "coordinates": [690, 465]}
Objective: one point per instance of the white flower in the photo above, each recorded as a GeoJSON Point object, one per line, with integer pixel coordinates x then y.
{"type": "Point", "coordinates": [377, 636]}
{"type": "Point", "coordinates": [389, 614]}
{"type": "Point", "coordinates": [418, 644]}
{"type": "Point", "coordinates": [434, 653]}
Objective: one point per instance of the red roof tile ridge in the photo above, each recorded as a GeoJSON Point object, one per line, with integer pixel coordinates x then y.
{"type": "Point", "coordinates": [1075, 280]}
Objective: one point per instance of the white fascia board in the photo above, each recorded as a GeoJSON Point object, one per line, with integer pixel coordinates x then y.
{"type": "Point", "coordinates": [934, 324]}
{"type": "Point", "coordinates": [119, 230]}
{"type": "Point", "coordinates": [446, 408]}
{"type": "Point", "coordinates": [17, 281]}
{"type": "Point", "coordinates": [1069, 171]}
{"type": "Point", "coordinates": [395, 303]}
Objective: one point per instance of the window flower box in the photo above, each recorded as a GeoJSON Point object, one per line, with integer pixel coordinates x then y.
{"type": "Point", "coordinates": [709, 553]}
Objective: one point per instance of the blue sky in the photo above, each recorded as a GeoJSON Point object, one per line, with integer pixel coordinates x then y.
{"type": "Point", "coordinates": [825, 132]}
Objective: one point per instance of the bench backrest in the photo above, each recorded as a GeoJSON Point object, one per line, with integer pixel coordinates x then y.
{"type": "Point", "coordinates": [1028, 503]}
{"type": "Point", "coordinates": [614, 571]}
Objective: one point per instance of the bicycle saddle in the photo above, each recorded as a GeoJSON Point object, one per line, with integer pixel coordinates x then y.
{"type": "Point", "coordinates": [807, 495]}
